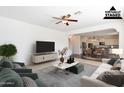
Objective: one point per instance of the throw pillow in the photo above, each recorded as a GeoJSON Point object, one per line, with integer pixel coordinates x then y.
{"type": "Point", "coordinates": [112, 61]}
{"type": "Point", "coordinates": [102, 68]}
{"type": "Point", "coordinates": [28, 82]}
{"type": "Point", "coordinates": [117, 65]}
{"type": "Point", "coordinates": [122, 66]}
{"type": "Point", "coordinates": [115, 68]}
{"type": "Point", "coordinates": [17, 66]}
{"type": "Point", "coordinates": [113, 77]}
{"type": "Point", "coordinates": [40, 83]}
{"type": "Point", "coordinates": [10, 78]}
{"type": "Point", "coordinates": [7, 64]}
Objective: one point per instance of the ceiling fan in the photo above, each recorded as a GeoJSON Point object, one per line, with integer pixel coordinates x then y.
{"type": "Point", "coordinates": [65, 19]}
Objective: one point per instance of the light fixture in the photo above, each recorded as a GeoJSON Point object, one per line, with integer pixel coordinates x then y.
{"type": "Point", "coordinates": [64, 21]}
{"type": "Point", "coordinates": [94, 39]}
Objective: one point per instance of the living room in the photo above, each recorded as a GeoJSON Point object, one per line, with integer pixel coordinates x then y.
{"type": "Point", "coordinates": [24, 26]}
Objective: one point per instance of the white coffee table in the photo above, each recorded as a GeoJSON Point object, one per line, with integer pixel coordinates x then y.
{"type": "Point", "coordinates": [64, 65]}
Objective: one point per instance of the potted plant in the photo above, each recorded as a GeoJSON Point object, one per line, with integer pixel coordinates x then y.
{"type": "Point", "coordinates": [7, 51]}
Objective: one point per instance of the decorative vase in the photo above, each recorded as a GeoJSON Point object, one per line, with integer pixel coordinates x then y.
{"type": "Point", "coordinates": [62, 59]}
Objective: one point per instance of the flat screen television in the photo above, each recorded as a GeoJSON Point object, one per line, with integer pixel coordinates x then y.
{"type": "Point", "coordinates": [45, 46]}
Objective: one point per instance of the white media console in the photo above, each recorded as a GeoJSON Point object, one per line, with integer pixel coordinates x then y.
{"type": "Point", "coordinates": [43, 57]}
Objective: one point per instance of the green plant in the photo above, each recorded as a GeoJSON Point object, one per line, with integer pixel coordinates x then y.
{"type": "Point", "coordinates": [7, 50]}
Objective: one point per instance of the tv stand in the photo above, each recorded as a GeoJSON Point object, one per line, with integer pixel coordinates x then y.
{"type": "Point", "coordinates": [43, 57]}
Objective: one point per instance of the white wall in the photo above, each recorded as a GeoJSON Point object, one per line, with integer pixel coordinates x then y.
{"type": "Point", "coordinates": [24, 35]}
{"type": "Point", "coordinates": [118, 25]}
{"type": "Point", "coordinates": [75, 44]}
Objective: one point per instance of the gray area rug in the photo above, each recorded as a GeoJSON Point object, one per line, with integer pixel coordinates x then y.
{"type": "Point", "coordinates": [61, 79]}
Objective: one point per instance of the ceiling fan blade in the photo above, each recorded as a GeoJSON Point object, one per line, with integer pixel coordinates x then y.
{"type": "Point", "coordinates": [68, 16]}
{"type": "Point", "coordinates": [58, 22]}
{"type": "Point", "coordinates": [57, 18]}
{"type": "Point", "coordinates": [71, 20]}
{"type": "Point", "coordinates": [78, 13]}
{"type": "Point", "coordinates": [63, 17]}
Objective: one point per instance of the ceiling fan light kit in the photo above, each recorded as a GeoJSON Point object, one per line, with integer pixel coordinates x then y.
{"type": "Point", "coordinates": [65, 19]}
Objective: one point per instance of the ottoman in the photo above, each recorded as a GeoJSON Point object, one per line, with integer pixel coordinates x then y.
{"type": "Point", "coordinates": [76, 69]}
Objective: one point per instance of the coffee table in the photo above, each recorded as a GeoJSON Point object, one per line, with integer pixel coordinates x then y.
{"type": "Point", "coordinates": [64, 66]}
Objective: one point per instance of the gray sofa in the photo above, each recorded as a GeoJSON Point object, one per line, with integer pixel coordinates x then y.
{"type": "Point", "coordinates": [18, 76]}
{"type": "Point", "coordinates": [92, 81]}
{"type": "Point", "coordinates": [9, 78]}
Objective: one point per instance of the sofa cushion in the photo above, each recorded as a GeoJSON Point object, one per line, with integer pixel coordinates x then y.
{"type": "Point", "coordinates": [102, 68]}
{"type": "Point", "coordinates": [122, 66]}
{"type": "Point", "coordinates": [90, 82]}
{"type": "Point", "coordinates": [112, 61]}
{"type": "Point", "coordinates": [116, 68]}
{"type": "Point", "coordinates": [17, 66]}
{"type": "Point", "coordinates": [40, 83]}
{"type": "Point", "coordinates": [105, 60]}
{"type": "Point", "coordinates": [10, 78]}
{"type": "Point", "coordinates": [28, 82]}
{"type": "Point", "coordinates": [7, 64]}
{"type": "Point", "coordinates": [118, 61]}
{"type": "Point", "coordinates": [113, 77]}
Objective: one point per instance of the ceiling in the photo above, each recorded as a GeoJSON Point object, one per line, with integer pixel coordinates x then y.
{"type": "Point", "coordinates": [42, 15]}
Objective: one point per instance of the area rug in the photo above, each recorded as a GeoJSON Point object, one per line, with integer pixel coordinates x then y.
{"type": "Point", "coordinates": [51, 78]}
